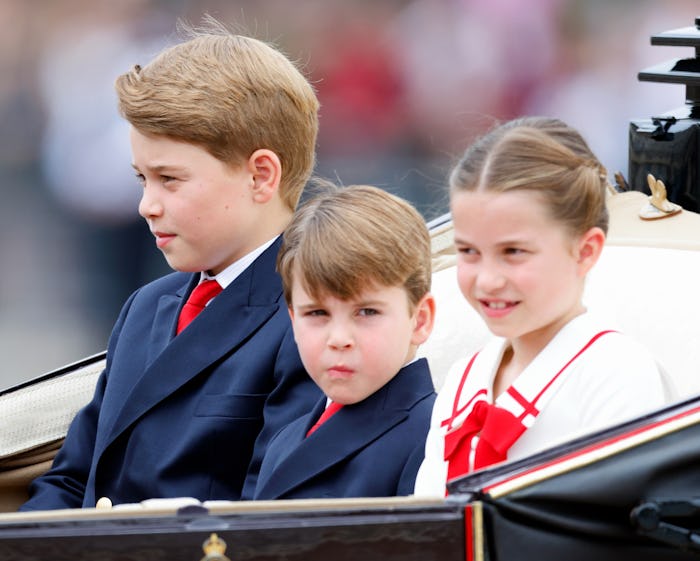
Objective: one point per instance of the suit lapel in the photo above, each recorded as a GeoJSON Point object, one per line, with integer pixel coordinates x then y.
{"type": "Point", "coordinates": [247, 303]}
{"type": "Point", "coordinates": [349, 430]}
{"type": "Point", "coordinates": [165, 319]}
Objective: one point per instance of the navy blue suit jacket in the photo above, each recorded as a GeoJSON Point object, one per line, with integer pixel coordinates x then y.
{"type": "Point", "coordinates": [370, 449]}
{"type": "Point", "coordinates": [189, 415]}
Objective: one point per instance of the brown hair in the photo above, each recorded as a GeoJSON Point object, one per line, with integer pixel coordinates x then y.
{"type": "Point", "coordinates": [545, 156]}
{"type": "Point", "coordinates": [353, 237]}
{"type": "Point", "coordinates": [231, 95]}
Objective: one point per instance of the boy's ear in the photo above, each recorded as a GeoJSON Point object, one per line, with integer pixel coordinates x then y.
{"type": "Point", "coordinates": [425, 319]}
{"type": "Point", "coordinates": [590, 246]}
{"type": "Point", "coordinates": [266, 170]}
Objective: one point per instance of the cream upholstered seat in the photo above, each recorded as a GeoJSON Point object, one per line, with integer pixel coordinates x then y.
{"type": "Point", "coordinates": [34, 419]}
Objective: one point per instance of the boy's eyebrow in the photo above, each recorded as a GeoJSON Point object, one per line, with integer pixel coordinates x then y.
{"type": "Point", "coordinates": [307, 305]}
{"type": "Point", "coordinates": [375, 302]}
{"type": "Point", "coordinates": [159, 167]}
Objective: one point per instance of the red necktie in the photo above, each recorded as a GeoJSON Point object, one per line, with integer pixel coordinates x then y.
{"type": "Point", "coordinates": [199, 298]}
{"type": "Point", "coordinates": [332, 408]}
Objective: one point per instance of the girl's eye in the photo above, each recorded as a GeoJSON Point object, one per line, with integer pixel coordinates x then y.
{"type": "Point", "coordinates": [166, 178]}
{"type": "Point", "coordinates": [141, 179]}
{"type": "Point", "coordinates": [465, 250]}
{"type": "Point", "coordinates": [467, 254]}
{"type": "Point", "coordinates": [514, 251]}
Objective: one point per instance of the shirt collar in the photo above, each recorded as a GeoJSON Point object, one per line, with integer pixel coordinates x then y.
{"type": "Point", "coordinates": [230, 273]}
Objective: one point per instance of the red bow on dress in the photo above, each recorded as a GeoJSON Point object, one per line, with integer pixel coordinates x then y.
{"type": "Point", "coordinates": [496, 428]}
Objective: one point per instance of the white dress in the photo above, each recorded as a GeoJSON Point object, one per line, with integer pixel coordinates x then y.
{"type": "Point", "coordinates": [612, 380]}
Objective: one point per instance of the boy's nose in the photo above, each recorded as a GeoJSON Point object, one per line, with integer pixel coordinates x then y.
{"type": "Point", "coordinates": [340, 336]}
{"type": "Point", "coordinates": [149, 206]}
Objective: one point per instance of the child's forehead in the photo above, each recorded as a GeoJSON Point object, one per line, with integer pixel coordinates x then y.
{"type": "Point", "coordinates": [360, 290]}
{"type": "Point", "coordinates": [525, 205]}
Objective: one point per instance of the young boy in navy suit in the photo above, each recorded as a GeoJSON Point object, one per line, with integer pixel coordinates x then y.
{"type": "Point", "coordinates": [356, 270]}
{"type": "Point", "coordinates": [223, 131]}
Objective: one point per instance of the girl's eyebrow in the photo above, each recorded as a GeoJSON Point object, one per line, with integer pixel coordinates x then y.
{"type": "Point", "coordinates": [460, 241]}
{"type": "Point", "coordinates": [504, 241]}
{"type": "Point", "coordinates": [513, 241]}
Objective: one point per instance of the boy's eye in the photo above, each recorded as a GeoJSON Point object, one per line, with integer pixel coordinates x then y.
{"type": "Point", "coordinates": [367, 312]}
{"type": "Point", "coordinates": [315, 313]}
{"type": "Point", "coordinates": [166, 178]}
{"type": "Point", "coordinates": [140, 178]}
{"type": "Point", "coordinates": [514, 251]}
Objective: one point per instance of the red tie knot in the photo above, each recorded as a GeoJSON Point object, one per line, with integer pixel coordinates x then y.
{"type": "Point", "coordinates": [331, 410]}
{"type": "Point", "coordinates": [199, 298]}
{"type": "Point", "coordinates": [204, 292]}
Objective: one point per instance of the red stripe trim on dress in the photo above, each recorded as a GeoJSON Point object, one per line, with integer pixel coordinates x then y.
{"type": "Point", "coordinates": [455, 403]}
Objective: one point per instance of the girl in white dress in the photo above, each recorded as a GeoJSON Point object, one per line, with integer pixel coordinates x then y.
{"type": "Point", "coordinates": [529, 216]}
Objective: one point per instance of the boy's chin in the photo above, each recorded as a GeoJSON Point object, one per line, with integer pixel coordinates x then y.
{"type": "Point", "coordinates": [183, 266]}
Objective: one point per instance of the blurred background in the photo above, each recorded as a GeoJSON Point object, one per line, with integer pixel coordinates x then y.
{"type": "Point", "coordinates": [404, 85]}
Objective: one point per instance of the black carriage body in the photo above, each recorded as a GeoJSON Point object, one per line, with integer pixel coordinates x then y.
{"type": "Point", "coordinates": [290, 530]}
{"type": "Point", "coordinates": [630, 492]}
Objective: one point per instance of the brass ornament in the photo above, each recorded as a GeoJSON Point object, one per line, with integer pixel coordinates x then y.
{"type": "Point", "coordinates": [214, 548]}
{"type": "Point", "coordinates": [658, 205]}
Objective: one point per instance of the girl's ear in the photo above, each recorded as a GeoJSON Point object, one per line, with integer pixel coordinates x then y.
{"type": "Point", "coordinates": [590, 246]}
{"type": "Point", "coordinates": [266, 170]}
{"type": "Point", "coordinates": [425, 319]}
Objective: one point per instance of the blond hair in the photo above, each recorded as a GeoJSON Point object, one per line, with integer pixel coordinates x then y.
{"type": "Point", "coordinates": [544, 156]}
{"type": "Point", "coordinates": [356, 237]}
{"type": "Point", "coordinates": [231, 95]}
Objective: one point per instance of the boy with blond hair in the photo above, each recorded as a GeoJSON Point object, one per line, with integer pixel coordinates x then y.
{"type": "Point", "coordinates": [201, 365]}
{"type": "Point", "coordinates": [356, 270]}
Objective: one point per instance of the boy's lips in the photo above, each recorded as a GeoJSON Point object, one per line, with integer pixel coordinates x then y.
{"type": "Point", "coordinates": [163, 238]}
{"type": "Point", "coordinates": [340, 371]}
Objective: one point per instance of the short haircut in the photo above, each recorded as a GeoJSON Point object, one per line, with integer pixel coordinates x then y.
{"type": "Point", "coordinates": [353, 238]}
{"type": "Point", "coordinates": [230, 95]}
{"type": "Point", "coordinates": [544, 156]}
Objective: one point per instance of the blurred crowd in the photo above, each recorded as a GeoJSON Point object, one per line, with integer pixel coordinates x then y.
{"type": "Point", "coordinates": [404, 86]}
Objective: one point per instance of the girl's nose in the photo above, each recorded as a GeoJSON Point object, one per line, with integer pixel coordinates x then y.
{"type": "Point", "coordinates": [490, 279]}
